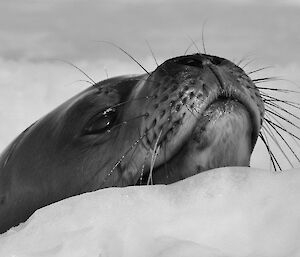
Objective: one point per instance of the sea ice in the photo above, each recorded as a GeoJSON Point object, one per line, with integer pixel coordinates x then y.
{"type": "Point", "coordinates": [223, 212]}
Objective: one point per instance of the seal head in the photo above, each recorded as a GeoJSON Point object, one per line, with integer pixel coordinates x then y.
{"type": "Point", "coordinates": [191, 114]}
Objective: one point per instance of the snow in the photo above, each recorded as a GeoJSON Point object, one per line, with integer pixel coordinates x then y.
{"type": "Point", "coordinates": [222, 212]}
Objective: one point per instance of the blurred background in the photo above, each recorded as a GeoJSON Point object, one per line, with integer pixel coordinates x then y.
{"type": "Point", "coordinates": [35, 35]}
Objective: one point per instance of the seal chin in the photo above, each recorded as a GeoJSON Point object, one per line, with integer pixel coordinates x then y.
{"type": "Point", "coordinates": [225, 137]}
{"type": "Point", "coordinates": [222, 137]}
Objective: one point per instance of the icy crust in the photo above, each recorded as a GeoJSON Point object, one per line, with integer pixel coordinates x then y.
{"type": "Point", "coordinates": [224, 212]}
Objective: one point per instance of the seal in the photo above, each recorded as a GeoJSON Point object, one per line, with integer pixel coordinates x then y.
{"type": "Point", "coordinates": [191, 114]}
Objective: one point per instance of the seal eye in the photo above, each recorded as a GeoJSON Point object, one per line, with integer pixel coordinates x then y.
{"type": "Point", "coordinates": [101, 122]}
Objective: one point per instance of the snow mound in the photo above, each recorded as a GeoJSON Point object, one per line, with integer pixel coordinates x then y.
{"type": "Point", "coordinates": [222, 212]}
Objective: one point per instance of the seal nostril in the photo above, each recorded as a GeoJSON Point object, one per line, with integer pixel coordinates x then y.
{"type": "Point", "coordinates": [189, 61]}
{"type": "Point", "coordinates": [184, 100]}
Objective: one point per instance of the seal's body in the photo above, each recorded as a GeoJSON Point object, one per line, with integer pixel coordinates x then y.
{"type": "Point", "coordinates": [191, 114]}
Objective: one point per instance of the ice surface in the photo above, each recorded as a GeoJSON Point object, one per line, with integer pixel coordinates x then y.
{"type": "Point", "coordinates": [223, 212]}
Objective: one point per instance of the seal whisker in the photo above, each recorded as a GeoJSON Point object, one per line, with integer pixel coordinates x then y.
{"type": "Point", "coordinates": [286, 102]}
{"type": "Point", "coordinates": [272, 156]}
{"type": "Point", "coordinates": [155, 153]}
{"type": "Point", "coordinates": [15, 144]}
{"type": "Point", "coordinates": [152, 53]}
{"type": "Point", "coordinates": [167, 170]}
{"type": "Point", "coordinates": [129, 55]}
{"type": "Point", "coordinates": [269, 104]}
{"type": "Point", "coordinates": [265, 140]}
{"type": "Point", "coordinates": [131, 160]}
{"type": "Point", "coordinates": [143, 168]}
{"type": "Point", "coordinates": [124, 155]}
{"type": "Point", "coordinates": [283, 139]}
{"type": "Point", "coordinates": [129, 101]}
{"type": "Point", "coordinates": [274, 118]}
{"type": "Point", "coordinates": [106, 73]}
{"type": "Point", "coordinates": [126, 121]}
{"type": "Point", "coordinates": [76, 67]}
{"type": "Point", "coordinates": [282, 128]}
{"type": "Point", "coordinates": [243, 59]}
{"type": "Point", "coordinates": [284, 119]}
{"type": "Point", "coordinates": [266, 79]}
{"type": "Point", "coordinates": [202, 36]}
{"type": "Point", "coordinates": [260, 69]}
{"type": "Point", "coordinates": [188, 48]}
{"type": "Point", "coordinates": [247, 63]}
{"type": "Point", "coordinates": [79, 80]}
{"type": "Point", "coordinates": [195, 45]}
{"type": "Point", "coordinates": [281, 90]}
{"type": "Point", "coordinates": [274, 139]}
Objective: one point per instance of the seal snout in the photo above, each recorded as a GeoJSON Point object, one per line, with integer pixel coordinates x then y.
{"type": "Point", "coordinates": [192, 89]}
